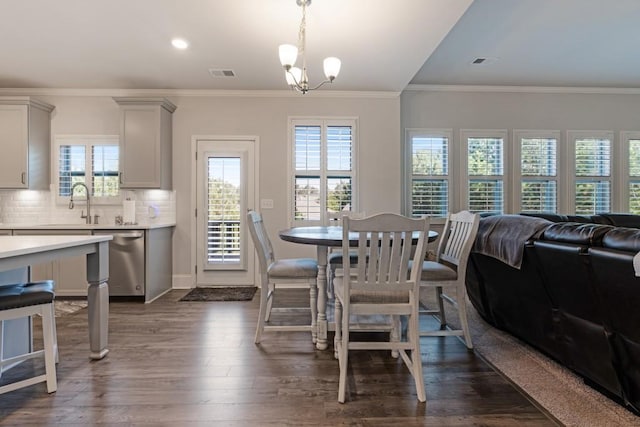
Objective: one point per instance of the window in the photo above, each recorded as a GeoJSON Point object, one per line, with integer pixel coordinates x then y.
{"type": "Point", "coordinates": [223, 209]}
{"type": "Point", "coordinates": [631, 185]}
{"type": "Point", "coordinates": [428, 173]}
{"type": "Point", "coordinates": [485, 170]}
{"type": "Point", "coordinates": [538, 159]}
{"type": "Point", "coordinates": [92, 160]}
{"type": "Point", "coordinates": [592, 172]}
{"type": "Point", "coordinates": [324, 168]}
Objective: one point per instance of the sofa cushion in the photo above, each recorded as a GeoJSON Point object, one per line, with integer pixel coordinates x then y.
{"type": "Point", "coordinates": [576, 233]}
{"type": "Point", "coordinates": [622, 239]}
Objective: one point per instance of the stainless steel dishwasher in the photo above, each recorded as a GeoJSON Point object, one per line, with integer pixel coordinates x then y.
{"type": "Point", "coordinates": [126, 262]}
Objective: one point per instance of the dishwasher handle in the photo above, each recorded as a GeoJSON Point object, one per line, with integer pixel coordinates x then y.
{"type": "Point", "coordinates": [129, 235]}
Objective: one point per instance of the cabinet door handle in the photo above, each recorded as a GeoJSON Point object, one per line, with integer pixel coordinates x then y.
{"type": "Point", "coordinates": [23, 178]}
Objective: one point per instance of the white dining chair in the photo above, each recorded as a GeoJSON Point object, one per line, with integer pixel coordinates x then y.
{"type": "Point", "coordinates": [334, 258]}
{"type": "Point", "coordinates": [446, 274]}
{"type": "Point", "coordinates": [278, 272]}
{"type": "Point", "coordinates": [381, 283]}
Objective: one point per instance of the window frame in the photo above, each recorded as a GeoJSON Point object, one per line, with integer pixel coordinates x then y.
{"type": "Point", "coordinates": [518, 136]}
{"type": "Point", "coordinates": [623, 180]}
{"type": "Point", "coordinates": [324, 173]}
{"type": "Point", "coordinates": [88, 141]}
{"type": "Point", "coordinates": [408, 167]}
{"type": "Point", "coordinates": [465, 135]}
{"type": "Point", "coordinates": [572, 179]}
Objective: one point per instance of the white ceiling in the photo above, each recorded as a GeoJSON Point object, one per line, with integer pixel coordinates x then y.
{"type": "Point", "coordinates": [572, 43]}
{"type": "Point", "coordinates": [125, 44]}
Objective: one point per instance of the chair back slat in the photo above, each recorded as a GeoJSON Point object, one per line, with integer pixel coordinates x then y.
{"type": "Point", "coordinates": [261, 240]}
{"type": "Point", "coordinates": [384, 251]}
{"type": "Point", "coordinates": [459, 232]}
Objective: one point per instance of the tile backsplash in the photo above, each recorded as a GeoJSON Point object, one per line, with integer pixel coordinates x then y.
{"type": "Point", "coordinates": [41, 207]}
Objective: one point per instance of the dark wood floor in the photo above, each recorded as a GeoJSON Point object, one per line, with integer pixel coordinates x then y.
{"type": "Point", "coordinates": [194, 363]}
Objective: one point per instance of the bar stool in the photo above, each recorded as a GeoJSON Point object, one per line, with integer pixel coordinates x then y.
{"type": "Point", "coordinates": [27, 299]}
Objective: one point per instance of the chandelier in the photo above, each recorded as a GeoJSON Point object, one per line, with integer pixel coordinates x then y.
{"type": "Point", "coordinates": [297, 78]}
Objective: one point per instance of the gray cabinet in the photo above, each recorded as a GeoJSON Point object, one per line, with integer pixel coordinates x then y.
{"type": "Point", "coordinates": [145, 142]}
{"type": "Point", "coordinates": [25, 137]}
{"type": "Point", "coordinates": [70, 274]}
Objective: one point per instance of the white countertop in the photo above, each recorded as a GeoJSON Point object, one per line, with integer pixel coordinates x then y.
{"type": "Point", "coordinates": [11, 246]}
{"type": "Point", "coordinates": [83, 226]}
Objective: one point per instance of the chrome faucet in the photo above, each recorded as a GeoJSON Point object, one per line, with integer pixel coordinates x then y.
{"type": "Point", "coordinates": [87, 217]}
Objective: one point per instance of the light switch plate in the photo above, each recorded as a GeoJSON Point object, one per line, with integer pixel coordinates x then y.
{"type": "Point", "coordinates": [266, 203]}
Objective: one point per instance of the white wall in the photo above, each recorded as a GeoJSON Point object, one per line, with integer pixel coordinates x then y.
{"type": "Point", "coordinates": [519, 110]}
{"type": "Point", "coordinates": [265, 117]}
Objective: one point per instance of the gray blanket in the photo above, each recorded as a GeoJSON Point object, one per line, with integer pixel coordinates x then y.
{"type": "Point", "coordinates": [503, 236]}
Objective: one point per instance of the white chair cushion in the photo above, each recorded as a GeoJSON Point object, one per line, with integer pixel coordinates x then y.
{"type": "Point", "coordinates": [371, 297]}
{"type": "Point", "coordinates": [295, 267]}
{"type": "Point", "coordinates": [436, 271]}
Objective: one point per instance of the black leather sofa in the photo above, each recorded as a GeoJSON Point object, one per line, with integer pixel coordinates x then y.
{"type": "Point", "coordinates": [575, 295]}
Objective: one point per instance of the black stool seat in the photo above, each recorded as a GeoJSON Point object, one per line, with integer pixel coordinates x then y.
{"type": "Point", "coordinates": [26, 294]}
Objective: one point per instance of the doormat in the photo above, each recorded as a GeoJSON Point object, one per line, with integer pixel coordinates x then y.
{"type": "Point", "coordinates": [230, 293]}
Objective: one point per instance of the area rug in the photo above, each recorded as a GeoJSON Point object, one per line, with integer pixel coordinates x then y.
{"type": "Point", "coordinates": [551, 386]}
{"type": "Point", "coordinates": [227, 293]}
{"type": "Point", "coordinates": [67, 307]}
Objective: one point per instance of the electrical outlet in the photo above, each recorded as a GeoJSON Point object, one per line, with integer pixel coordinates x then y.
{"type": "Point", "coordinates": [266, 203]}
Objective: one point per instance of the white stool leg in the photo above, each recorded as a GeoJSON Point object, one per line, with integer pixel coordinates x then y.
{"type": "Point", "coordinates": [48, 328]}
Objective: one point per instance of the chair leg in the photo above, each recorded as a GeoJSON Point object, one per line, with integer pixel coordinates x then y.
{"type": "Point", "coordinates": [55, 334]}
{"type": "Point", "coordinates": [394, 334]}
{"type": "Point", "coordinates": [48, 328]}
{"type": "Point", "coordinates": [270, 296]}
{"type": "Point", "coordinates": [461, 298]}
{"type": "Point", "coordinates": [337, 337]}
{"type": "Point", "coordinates": [264, 291]}
{"type": "Point", "coordinates": [1, 347]}
{"type": "Point", "coordinates": [416, 355]}
{"type": "Point", "coordinates": [443, 317]}
{"type": "Point", "coordinates": [343, 356]}
{"type": "Point", "coordinates": [313, 305]}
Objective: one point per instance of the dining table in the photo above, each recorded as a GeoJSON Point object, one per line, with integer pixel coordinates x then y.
{"type": "Point", "coordinates": [324, 237]}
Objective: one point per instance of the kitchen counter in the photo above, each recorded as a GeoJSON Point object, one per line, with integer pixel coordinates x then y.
{"type": "Point", "coordinates": [82, 226]}
{"type": "Point", "coordinates": [19, 252]}
{"type": "Point", "coordinates": [142, 258]}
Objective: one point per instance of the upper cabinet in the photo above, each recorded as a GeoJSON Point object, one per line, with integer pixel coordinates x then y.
{"type": "Point", "coordinates": [145, 142]}
{"type": "Point", "coordinates": [25, 138]}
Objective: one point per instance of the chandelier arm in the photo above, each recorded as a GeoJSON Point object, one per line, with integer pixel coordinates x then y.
{"type": "Point", "coordinates": [297, 84]}
{"type": "Point", "coordinates": [321, 84]}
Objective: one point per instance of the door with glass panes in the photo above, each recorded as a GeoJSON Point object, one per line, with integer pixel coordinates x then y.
{"type": "Point", "coordinates": [226, 174]}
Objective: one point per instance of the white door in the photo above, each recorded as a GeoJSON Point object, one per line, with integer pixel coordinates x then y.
{"type": "Point", "coordinates": [226, 174]}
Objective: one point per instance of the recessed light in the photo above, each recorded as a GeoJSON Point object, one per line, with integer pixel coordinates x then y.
{"type": "Point", "coordinates": [180, 43]}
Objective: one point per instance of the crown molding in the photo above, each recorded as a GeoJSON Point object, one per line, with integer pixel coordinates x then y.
{"type": "Point", "coordinates": [524, 89]}
{"type": "Point", "coordinates": [196, 93]}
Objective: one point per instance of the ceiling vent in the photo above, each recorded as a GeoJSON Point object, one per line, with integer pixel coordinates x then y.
{"type": "Point", "coordinates": [218, 72]}
{"type": "Point", "coordinates": [484, 60]}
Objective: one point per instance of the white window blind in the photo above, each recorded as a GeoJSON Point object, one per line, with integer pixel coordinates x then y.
{"type": "Point", "coordinates": [593, 176]}
{"type": "Point", "coordinates": [324, 173]}
{"type": "Point", "coordinates": [92, 160]}
{"type": "Point", "coordinates": [538, 160]}
{"type": "Point", "coordinates": [72, 167]}
{"type": "Point", "coordinates": [105, 176]}
{"type": "Point", "coordinates": [634, 176]}
{"type": "Point", "coordinates": [429, 175]}
{"type": "Point", "coordinates": [485, 168]}
{"type": "Point", "coordinates": [223, 210]}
